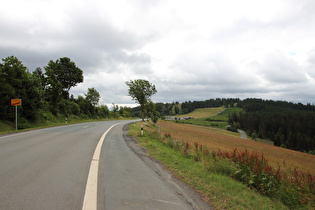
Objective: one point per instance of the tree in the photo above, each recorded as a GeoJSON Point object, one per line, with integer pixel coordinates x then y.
{"type": "Point", "coordinates": [141, 91]}
{"type": "Point", "coordinates": [85, 106]}
{"type": "Point", "coordinates": [41, 76]}
{"type": "Point", "coordinates": [155, 116]}
{"type": "Point", "coordinates": [176, 108]}
{"type": "Point", "coordinates": [103, 111]}
{"type": "Point", "coordinates": [17, 82]}
{"type": "Point", "coordinates": [92, 96]}
{"type": "Point", "coordinates": [254, 136]}
{"type": "Point", "coordinates": [53, 91]}
{"type": "Point", "coordinates": [65, 72]}
{"type": "Point", "coordinates": [115, 109]}
{"type": "Point", "coordinates": [149, 106]}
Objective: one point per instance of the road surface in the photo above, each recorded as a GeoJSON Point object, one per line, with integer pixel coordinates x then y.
{"type": "Point", "coordinates": [242, 133]}
{"type": "Point", "coordinates": [49, 169]}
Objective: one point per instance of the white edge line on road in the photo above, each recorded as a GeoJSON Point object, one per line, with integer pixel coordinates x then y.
{"type": "Point", "coordinates": [90, 197]}
{"type": "Point", "coordinates": [8, 135]}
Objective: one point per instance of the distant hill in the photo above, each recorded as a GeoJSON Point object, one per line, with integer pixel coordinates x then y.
{"type": "Point", "coordinates": [203, 112]}
{"type": "Point", "coordinates": [286, 124]}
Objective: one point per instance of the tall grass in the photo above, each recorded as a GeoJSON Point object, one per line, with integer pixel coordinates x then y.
{"type": "Point", "coordinates": [295, 189]}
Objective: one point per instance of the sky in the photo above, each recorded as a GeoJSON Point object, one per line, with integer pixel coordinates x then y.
{"type": "Point", "coordinates": [189, 49]}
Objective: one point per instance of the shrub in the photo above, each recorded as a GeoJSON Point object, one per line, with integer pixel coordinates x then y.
{"type": "Point", "coordinates": [197, 152]}
{"type": "Point", "coordinates": [22, 123]}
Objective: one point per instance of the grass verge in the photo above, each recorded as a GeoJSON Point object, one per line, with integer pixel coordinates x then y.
{"type": "Point", "coordinates": [215, 185]}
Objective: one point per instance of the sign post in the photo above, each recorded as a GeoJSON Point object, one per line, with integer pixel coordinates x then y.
{"type": "Point", "coordinates": [16, 102]}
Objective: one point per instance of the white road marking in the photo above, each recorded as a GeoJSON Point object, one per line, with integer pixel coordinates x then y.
{"type": "Point", "coordinates": [90, 197]}
{"type": "Point", "coordinates": [30, 131]}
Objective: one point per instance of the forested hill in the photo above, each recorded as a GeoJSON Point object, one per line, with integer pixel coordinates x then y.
{"type": "Point", "coordinates": [286, 124]}
{"type": "Point", "coordinates": [249, 105]}
{"type": "Point", "coordinates": [188, 106]}
{"type": "Point", "coordinates": [255, 105]}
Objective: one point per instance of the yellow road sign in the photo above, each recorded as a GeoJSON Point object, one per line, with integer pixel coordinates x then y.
{"type": "Point", "coordinates": [16, 102]}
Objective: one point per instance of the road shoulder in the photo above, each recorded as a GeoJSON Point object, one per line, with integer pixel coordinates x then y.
{"type": "Point", "coordinates": [192, 197]}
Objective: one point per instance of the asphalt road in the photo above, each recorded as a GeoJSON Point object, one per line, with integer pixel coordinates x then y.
{"type": "Point", "coordinates": [242, 134]}
{"type": "Point", "coordinates": [48, 169]}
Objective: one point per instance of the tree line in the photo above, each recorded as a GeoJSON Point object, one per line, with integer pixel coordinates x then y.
{"type": "Point", "coordinates": [45, 93]}
{"type": "Point", "coordinates": [175, 108]}
{"type": "Point", "coordinates": [287, 124]}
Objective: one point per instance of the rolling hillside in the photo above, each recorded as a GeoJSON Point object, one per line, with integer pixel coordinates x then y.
{"type": "Point", "coordinates": [203, 112]}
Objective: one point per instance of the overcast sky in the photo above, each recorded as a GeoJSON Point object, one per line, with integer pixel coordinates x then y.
{"type": "Point", "coordinates": [190, 50]}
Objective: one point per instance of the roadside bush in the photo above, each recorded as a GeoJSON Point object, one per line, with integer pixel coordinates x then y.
{"type": "Point", "coordinates": [197, 152]}
{"type": "Point", "coordinates": [73, 107]}
{"type": "Point", "coordinates": [47, 116]}
{"type": "Point", "coordinates": [22, 123]}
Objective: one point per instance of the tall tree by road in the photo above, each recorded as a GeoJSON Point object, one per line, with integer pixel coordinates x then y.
{"type": "Point", "coordinates": [93, 96]}
{"type": "Point", "coordinates": [66, 72]}
{"type": "Point", "coordinates": [141, 91]}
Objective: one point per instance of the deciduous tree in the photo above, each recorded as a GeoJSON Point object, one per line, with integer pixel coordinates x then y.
{"type": "Point", "coordinates": [93, 96]}
{"type": "Point", "coordinates": [141, 91]}
{"type": "Point", "coordinates": [66, 72]}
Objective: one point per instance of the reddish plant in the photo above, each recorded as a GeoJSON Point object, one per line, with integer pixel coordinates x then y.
{"type": "Point", "coordinates": [167, 135]}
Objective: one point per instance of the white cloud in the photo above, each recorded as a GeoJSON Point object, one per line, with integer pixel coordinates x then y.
{"type": "Point", "coordinates": [191, 50]}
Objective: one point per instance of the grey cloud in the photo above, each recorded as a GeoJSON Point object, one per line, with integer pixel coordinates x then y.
{"type": "Point", "coordinates": [310, 69]}
{"type": "Point", "coordinates": [279, 69]}
{"type": "Point", "coordinates": [87, 39]}
{"type": "Point", "coordinates": [110, 54]}
{"type": "Point", "coordinates": [290, 26]}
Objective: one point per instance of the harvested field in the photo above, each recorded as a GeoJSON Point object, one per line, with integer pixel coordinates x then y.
{"type": "Point", "coordinates": [216, 139]}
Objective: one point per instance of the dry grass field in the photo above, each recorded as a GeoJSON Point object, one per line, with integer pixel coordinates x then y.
{"type": "Point", "coordinates": [226, 141]}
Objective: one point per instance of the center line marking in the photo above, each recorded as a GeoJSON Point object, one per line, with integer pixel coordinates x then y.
{"type": "Point", "coordinates": [90, 197]}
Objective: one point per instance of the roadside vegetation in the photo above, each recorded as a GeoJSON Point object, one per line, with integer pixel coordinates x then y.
{"type": "Point", "coordinates": [45, 96]}
{"type": "Point", "coordinates": [230, 176]}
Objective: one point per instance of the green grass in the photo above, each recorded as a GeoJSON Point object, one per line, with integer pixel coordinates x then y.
{"type": "Point", "coordinates": [203, 112]}
{"type": "Point", "coordinates": [224, 116]}
{"type": "Point", "coordinates": [212, 117]}
{"type": "Point", "coordinates": [221, 190]}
